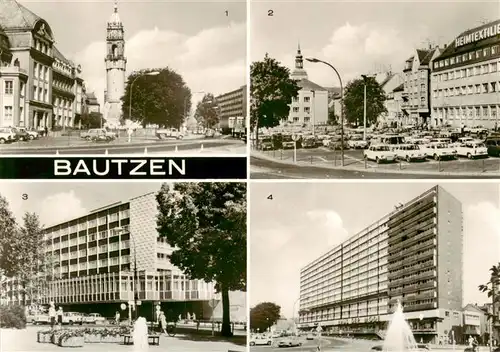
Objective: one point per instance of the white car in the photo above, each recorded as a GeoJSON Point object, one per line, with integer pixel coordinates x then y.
{"type": "Point", "coordinates": [357, 144]}
{"type": "Point", "coordinates": [310, 337]}
{"type": "Point", "coordinates": [260, 340]}
{"type": "Point", "coordinates": [379, 153]}
{"type": "Point", "coordinates": [72, 318]}
{"type": "Point", "coordinates": [289, 342]}
{"type": "Point", "coordinates": [93, 318]}
{"type": "Point", "coordinates": [439, 151]}
{"type": "Point", "coordinates": [409, 152]}
{"type": "Point", "coordinates": [7, 135]}
{"type": "Point", "coordinates": [472, 150]}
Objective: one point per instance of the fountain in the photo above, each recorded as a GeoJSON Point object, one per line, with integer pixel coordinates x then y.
{"type": "Point", "coordinates": [140, 335]}
{"type": "Point", "coordinates": [399, 337]}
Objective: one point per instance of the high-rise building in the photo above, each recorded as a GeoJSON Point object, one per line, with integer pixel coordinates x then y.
{"type": "Point", "coordinates": [232, 109]}
{"type": "Point", "coordinates": [412, 255]}
{"type": "Point", "coordinates": [465, 79]}
{"type": "Point", "coordinates": [116, 65]}
{"type": "Point", "coordinates": [111, 256]}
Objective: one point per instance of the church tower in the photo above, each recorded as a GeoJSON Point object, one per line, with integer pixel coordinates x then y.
{"type": "Point", "coordinates": [115, 69]}
{"type": "Point", "coordinates": [299, 72]}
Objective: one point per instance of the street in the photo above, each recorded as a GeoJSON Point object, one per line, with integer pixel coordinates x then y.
{"type": "Point", "coordinates": [307, 345]}
{"type": "Point", "coordinates": [26, 341]}
{"type": "Point", "coordinates": [324, 163]}
{"type": "Point", "coordinates": [156, 146]}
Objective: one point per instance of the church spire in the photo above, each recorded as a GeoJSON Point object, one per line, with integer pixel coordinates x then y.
{"type": "Point", "coordinates": [299, 60]}
{"type": "Point", "coordinates": [115, 17]}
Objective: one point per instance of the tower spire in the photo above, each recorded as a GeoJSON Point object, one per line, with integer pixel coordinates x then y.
{"type": "Point", "coordinates": [116, 6]}
{"type": "Point", "coordinates": [299, 72]}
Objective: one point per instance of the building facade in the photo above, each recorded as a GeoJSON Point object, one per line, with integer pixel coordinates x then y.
{"type": "Point", "coordinates": [93, 260]}
{"type": "Point", "coordinates": [232, 109]}
{"type": "Point", "coordinates": [390, 83]}
{"type": "Point", "coordinates": [40, 88]}
{"type": "Point", "coordinates": [413, 255]}
{"type": "Point", "coordinates": [416, 94]}
{"type": "Point", "coordinates": [465, 79]}
{"type": "Point", "coordinates": [116, 65]}
{"type": "Point", "coordinates": [310, 107]}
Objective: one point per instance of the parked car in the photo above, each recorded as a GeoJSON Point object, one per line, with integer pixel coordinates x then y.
{"type": "Point", "coordinates": [289, 342]}
{"type": "Point", "coordinates": [266, 143]}
{"type": "Point", "coordinates": [165, 133]}
{"type": "Point", "coordinates": [472, 150]}
{"type": "Point", "coordinates": [408, 152]}
{"type": "Point", "coordinates": [21, 135]}
{"type": "Point", "coordinates": [98, 134]}
{"type": "Point", "coordinates": [439, 151]}
{"type": "Point", "coordinates": [41, 318]}
{"type": "Point", "coordinates": [260, 340]}
{"type": "Point", "coordinates": [7, 135]}
{"type": "Point", "coordinates": [309, 142]}
{"type": "Point", "coordinates": [72, 318]}
{"type": "Point", "coordinates": [93, 318]}
{"type": "Point", "coordinates": [310, 337]}
{"type": "Point", "coordinates": [31, 134]}
{"type": "Point", "coordinates": [379, 153]}
{"type": "Point", "coordinates": [493, 146]}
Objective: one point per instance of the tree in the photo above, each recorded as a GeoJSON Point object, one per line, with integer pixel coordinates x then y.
{"type": "Point", "coordinates": [271, 93]}
{"type": "Point", "coordinates": [161, 99]}
{"type": "Point", "coordinates": [264, 315]}
{"type": "Point", "coordinates": [354, 101]}
{"type": "Point", "coordinates": [8, 231]}
{"type": "Point", "coordinates": [492, 287]}
{"type": "Point", "coordinates": [92, 120]}
{"type": "Point", "coordinates": [333, 119]}
{"type": "Point", "coordinates": [206, 224]}
{"type": "Point", "coordinates": [206, 111]}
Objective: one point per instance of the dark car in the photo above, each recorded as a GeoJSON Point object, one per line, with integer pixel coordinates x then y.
{"type": "Point", "coordinates": [493, 145]}
{"type": "Point", "coordinates": [21, 135]}
{"type": "Point", "coordinates": [377, 348]}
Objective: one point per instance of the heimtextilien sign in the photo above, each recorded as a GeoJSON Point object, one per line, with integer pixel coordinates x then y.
{"type": "Point", "coordinates": [484, 33]}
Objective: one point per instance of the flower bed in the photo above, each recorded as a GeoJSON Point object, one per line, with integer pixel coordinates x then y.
{"type": "Point", "coordinates": [106, 335]}
{"type": "Point", "coordinates": [77, 337]}
{"type": "Point", "coordinates": [44, 336]}
{"type": "Point", "coordinates": [68, 338]}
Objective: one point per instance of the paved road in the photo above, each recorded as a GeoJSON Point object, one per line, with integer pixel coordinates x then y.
{"type": "Point", "coordinates": [263, 169]}
{"type": "Point", "coordinates": [157, 147]}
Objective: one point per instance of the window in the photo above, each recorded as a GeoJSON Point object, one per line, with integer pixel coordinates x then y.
{"type": "Point", "coordinates": [494, 49]}
{"type": "Point", "coordinates": [459, 59]}
{"type": "Point", "coordinates": [295, 109]}
{"type": "Point", "coordinates": [8, 113]}
{"type": "Point", "coordinates": [493, 67]}
{"type": "Point", "coordinates": [452, 61]}
{"type": "Point", "coordinates": [307, 109]}
{"type": "Point", "coordinates": [478, 54]}
{"type": "Point", "coordinates": [35, 93]}
{"type": "Point", "coordinates": [295, 119]}
{"type": "Point", "coordinates": [307, 99]}
{"type": "Point", "coordinates": [446, 62]}
{"type": "Point", "coordinates": [493, 87]}
{"type": "Point", "coordinates": [9, 87]}
{"type": "Point", "coordinates": [486, 51]}
{"type": "Point", "coordinates": [478, 89]}
{"type": "Point", "coordinates": [485, 87]}
{"type": "Point", "coordinates": [307, 119]}
{"type": "Point", "coordinates": [471, 56]}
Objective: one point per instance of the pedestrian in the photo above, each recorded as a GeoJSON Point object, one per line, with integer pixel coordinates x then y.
{"type": "Point", "coordinates": [117, 318]}
{"type": "Point", "coordinates": [52, 315]}
{"type": "Point", "coordinates": [60, 316]}
{"type": "Point", "coordinates": [46, 131]}
{"type": "Point", "coordinates": [163, 322]}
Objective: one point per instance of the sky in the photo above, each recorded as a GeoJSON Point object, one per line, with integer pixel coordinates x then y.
{"type": "Point", "coordinates": [305, 220]}
{"type": "Point", "coordinates": [62, 201]}
{"type": "Point", "coordinates": [199, 40]}
{"type": "Point", "coordinates": [358, 37]}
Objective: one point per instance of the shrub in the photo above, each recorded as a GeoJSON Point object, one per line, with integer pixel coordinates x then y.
{"type": "Point", "coordinates": [12, 317]}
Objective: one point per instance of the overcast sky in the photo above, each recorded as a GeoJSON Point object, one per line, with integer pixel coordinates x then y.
{"type": "Point", "coordinates": [358, 37]}
{"type": "Point", "coordinates": [305, 220]}
{"type": "Point", "coordinates": [196, 39]}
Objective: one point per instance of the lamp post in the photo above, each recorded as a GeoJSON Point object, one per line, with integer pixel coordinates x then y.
{"type": "Point", "coordinates": [293, 313]}
{"type": "Point", "coordinates": [365, 79]}
{"type": "Point", "coordinates": [153, 73]}
{"type": "Point", "coordinates": [314, 113]}
{"type": "Point", "coordinates": [314, 60]}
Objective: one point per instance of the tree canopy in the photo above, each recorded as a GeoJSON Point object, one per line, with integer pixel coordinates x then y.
{"type": "Point", "coordinates": [354, 101]}
{"type": "Point", "coordinates": [92, 120]}
{"type": "Point", "coordinates": [9, 260]}
{"type": "Point", "coordinates": [207, 111]}
{"type": "Point", "coordinates": [161, 99]}
{"type": "Point", "coordinates": [264, 315]}
{"type": "Point", "coordinates": [205, 223]}
{"type": "Point", "coordinates": [271, 93]}
{"type": "Point", "coordinates": [491, 288]}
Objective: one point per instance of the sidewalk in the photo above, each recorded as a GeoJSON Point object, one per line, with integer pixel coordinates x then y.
{"type": "Point", "coordinates": [360, 167]}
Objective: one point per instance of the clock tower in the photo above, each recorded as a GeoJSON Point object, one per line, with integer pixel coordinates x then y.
{"type": "Point", "coordinates": [115, 69]}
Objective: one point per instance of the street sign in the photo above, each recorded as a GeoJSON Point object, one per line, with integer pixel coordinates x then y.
{"type": "Point", "coordinates": [319, 328]}
{"type": "Point", "coordinates": [212, 303]}
{"type": "Point", "coordinates": [123, 306]}
{"type": "Point", "coordinates": [295, 137]}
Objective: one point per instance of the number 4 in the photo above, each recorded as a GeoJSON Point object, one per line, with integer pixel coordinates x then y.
{"type": "Point", "coordinates": [270, 197]}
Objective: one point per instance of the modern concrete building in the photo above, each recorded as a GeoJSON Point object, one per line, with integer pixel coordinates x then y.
{"type": "Point", "coordinates": [310, 107]}
{"type": "Point", "coordinates": [416, 94]}
{"type": "Point", "coordinates": [465, 79]}
{"type": "Point", "coordinates": [40, 88]}
{"type": "Point", "coordinates": [93, 265]}
{"type": "Point", "coordinates": [232, 109]}
{"type": "Point", "coordinates": [116, 65]}
{"type": "Point", "coordinates": [412, 255]}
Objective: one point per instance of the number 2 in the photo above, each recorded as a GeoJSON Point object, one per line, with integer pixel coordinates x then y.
{"type": "Point", "coordinates": [270, 13]}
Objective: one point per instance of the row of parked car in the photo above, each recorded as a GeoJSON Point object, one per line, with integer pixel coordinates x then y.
{"type": "Point", "coordinates": [16, 134]}
{"type": "Point", "coordinates": [69, 318]}
{"type": "Point", "coordinates": [282, 339]}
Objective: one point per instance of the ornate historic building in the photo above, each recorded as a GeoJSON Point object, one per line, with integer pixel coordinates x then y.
{"type": "Point", "coordinates": [39, 86]}
{"type": "Point", "coordinates": [115, 69]}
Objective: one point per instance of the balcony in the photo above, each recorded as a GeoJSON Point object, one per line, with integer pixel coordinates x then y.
{"type": "Point", "coordinates": [417, 307]}
{"type": "Point", "coordinates": [13, 70]}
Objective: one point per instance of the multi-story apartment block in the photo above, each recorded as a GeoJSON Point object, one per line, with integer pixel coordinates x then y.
{"type": "Point", "coordinates": [93, 260]}
{"type": "Point", "coordinates": [46, 88]}
{"type": "Point", "coordinates": [416, 95]}
{"type": "Point", "coordinates": [412, 255]}
{"type": "Point", "coordinates": [465, 79]}
{"type": "Point", "coordinates": [232, 109]}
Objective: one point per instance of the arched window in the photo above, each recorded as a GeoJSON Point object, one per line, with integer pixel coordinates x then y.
{"type": "Point", "coordinates": [114, 50]}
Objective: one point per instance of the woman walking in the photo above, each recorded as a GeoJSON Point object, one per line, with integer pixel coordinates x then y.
{"type": "Point", "coordinates": [163, 322]}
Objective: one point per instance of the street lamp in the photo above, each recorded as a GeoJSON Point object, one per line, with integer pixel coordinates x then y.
{"type": "Point", "coordinates": [153, 73]}
{"type": "Point", "coordinates": [314, 60]}
{"type": "Point", "coordinates": [365, 79]}
{"type": "Point", "coordinates": [293, 313]}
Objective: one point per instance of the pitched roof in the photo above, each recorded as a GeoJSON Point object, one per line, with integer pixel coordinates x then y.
{"type": "Point", "coordinates": [387, 79]}
{"type": "Point", "coordinates": [399, 88]}
{"type": "Point", "coordinates": [452, 50]}
{"type": "Point", "coordinates": [308, 85]}
{"type": "Point", "coordinates": [15, 16]}
{"type": "Point", "coordinates": [58, 55]}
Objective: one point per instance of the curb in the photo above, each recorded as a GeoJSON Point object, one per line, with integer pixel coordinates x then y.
{"type": "Point", "coordinates": [372, 170]}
